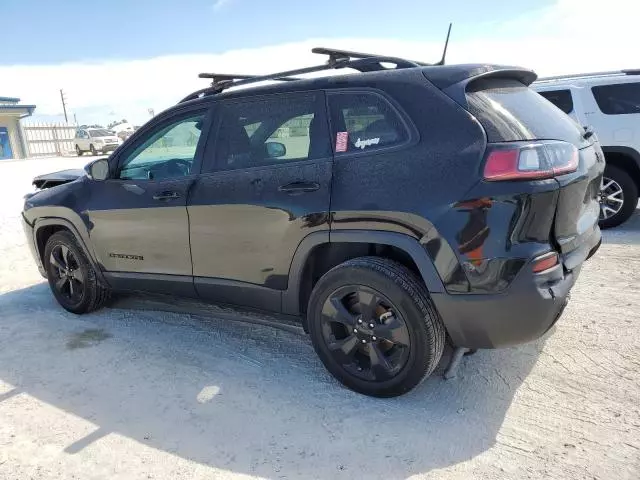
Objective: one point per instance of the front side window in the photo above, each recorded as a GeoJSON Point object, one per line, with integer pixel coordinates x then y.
{"type": "Point", "coordinates": [272, 130]}
{"type": "Point", "coordinates": [618, 99]}
{"type": "Point", "coordinates": [560, 98]}
{"type": "Point", "coordinates": [167, 152]}
{"type": "Point", "coordinates": [364, 122]}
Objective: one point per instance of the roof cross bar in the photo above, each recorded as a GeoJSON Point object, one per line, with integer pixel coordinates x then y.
{"type": "Point", "coordinates": [336, 55]}
{"type": "Point", "coordinates": [223, 77]}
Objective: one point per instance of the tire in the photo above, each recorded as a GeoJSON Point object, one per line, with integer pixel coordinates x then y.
{"type": "Point", "coordinates": [408, 317]}
{"type": "Point", "coordinates": [78, 151]}
{"type": "Point", "coordinates": [93, 150]}
{"type": "Point", "coordinates": [78, 291]}
{"type": "Point", "coordinates": [629, 197]}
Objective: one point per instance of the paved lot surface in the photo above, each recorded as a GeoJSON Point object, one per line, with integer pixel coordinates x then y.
{"type": "Point", "coordinates": [129, 394]}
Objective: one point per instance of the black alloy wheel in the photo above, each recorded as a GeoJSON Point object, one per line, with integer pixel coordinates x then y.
{"type": "Point", "coordinates": [72, 278]}
{"type": "Point", "coordinates": [374, 326]}
{"type": "Point", "coordinates": [364, 333]}
{"type": "Point", "coordinates": [69, 280]}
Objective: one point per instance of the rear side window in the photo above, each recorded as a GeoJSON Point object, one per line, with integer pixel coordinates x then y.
{"type": "Point", "coordinates": [364, 122]}
{"type": "Point", "coordinates": [618, 99]}
{"type": "Point", "coordinates": [272, 130]}
{"type": "Point", "coordinates": [510, 111]}
{"type": "Point", "coordinates": [560, 98]}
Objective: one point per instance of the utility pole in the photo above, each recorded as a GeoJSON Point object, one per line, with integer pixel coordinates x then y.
{"type": "Point", "coordinates": [64, 106]}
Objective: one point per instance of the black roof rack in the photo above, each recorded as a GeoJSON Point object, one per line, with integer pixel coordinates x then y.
{"type": "Point", "coordinates": [336, 56]}
{"type": "Point", "coordinates": [369, 64]}
{"type": "Point", "coordinates": [230, 77]}
{"type": "Point", "coordinates": [362, 62]}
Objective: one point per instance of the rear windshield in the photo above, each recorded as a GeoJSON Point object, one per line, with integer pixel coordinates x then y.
{"type": "Point", "coordinates": [100, 133]}
{"type": "Point", "coordinates": [510, 111]}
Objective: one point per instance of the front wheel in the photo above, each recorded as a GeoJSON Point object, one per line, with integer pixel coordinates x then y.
{"type": "Point", "coordinates": [71, 276]}
{"type": "Point", "coordinates": [618, 197]}
{"type": "Point", "coordinates": [374, 327]}
{"type": "Point", "coordinates": [93, 150]}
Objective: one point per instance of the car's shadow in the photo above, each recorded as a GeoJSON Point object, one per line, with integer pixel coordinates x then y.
{"type": "Point", "coordinates": [243, 397]}
{"type": "Point", "coordinates": [626, 234]}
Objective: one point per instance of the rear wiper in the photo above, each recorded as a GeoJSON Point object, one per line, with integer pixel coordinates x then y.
{"type": "Point", "coordinates": [588, 132]}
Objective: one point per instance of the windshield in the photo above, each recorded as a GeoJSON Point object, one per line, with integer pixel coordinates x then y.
{"type": "Point", "coordinates": [100, 133]}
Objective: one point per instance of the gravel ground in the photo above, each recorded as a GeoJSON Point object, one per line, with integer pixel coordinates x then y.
{"type": "Point", "coordinates": [131, 394]}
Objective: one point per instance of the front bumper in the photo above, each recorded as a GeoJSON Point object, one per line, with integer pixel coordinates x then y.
{"type": "Point", "coordinates": [525, 311]}
{"type": "Point", "coordinates": [31, 241]}
{"type": "Point", "coordinates": [107, 148]}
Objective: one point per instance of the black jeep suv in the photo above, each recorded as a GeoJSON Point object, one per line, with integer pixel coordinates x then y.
{"type": "Point", "coordinates": [392, 210]}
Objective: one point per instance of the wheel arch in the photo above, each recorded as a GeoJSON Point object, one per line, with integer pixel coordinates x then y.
{"type": "Point", "coordinates": [625, 158]}
{"type": "Point", "coordinates": [318, 252]}
{"type": "Point", "coordinates": [45, 227]}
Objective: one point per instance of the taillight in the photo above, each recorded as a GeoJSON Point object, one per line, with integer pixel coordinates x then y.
{"type": "Point", "coordinates": [545, 262]}
{"type": "Point", "coordinates": [530, 161]}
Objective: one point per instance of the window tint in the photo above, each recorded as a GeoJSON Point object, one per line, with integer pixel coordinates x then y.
{"type": "Point", "coordinates": [510, 111]}
{"type": "Point", "coordinates": [364, 122]}
{"type": "Point", "coordinates": [272, 130]}
{"type": "Point", "coordinates": [618, 99]}
{"type": "Point", "coordinates": [168, 151]}
{"type": "Point", "coordinates": [560, 98]}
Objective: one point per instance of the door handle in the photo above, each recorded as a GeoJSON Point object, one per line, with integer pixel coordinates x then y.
{"type": "Point", "coordinates": [296, 188]}
{"type": "Point", "coordinates": [166, 195]}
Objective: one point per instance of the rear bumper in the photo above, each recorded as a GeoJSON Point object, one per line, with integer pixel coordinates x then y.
{"type": "Point", "coordinates": [522, 313]}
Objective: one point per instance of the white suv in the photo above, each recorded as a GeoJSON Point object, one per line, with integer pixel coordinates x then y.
{"type": "Point", "coordinates": [609, 103]}
{"type": "Point", "coordinates": [95, 140]}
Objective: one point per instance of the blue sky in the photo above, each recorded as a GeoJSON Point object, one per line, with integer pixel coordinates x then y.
{"type": "Point", "coordinates": [117, 59]}
{"type": "Point", "coordinates": [84, 30]}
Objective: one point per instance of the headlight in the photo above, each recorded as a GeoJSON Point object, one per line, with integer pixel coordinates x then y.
{"type": "Point", "coordinates": [99, 140]}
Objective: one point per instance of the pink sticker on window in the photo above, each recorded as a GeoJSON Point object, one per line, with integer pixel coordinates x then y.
{"type": "Point", "coordinates": [341, 141]}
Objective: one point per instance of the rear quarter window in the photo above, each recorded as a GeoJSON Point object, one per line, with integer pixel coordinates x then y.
{"type": "Point", "coordinates": [618, 99]}
{"type": "Point", "coordinates": [510, 111]}
{"type": "Point", "coordinates": [364, 122]}
{"type": "Point", "coordinates": [560, 98]}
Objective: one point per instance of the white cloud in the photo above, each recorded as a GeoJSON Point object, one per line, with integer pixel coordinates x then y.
{"type": "Point", "coordinates": [220, 3]}
{"type": "Point", "coordinates": [571, 36]}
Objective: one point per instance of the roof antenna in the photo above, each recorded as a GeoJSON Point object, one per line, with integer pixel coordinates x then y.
{"type": "Point", "coordinates": [446, 44]}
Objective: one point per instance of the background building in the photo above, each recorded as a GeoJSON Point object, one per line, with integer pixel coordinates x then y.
{"type": "Point", "coordinates": [12, 140]}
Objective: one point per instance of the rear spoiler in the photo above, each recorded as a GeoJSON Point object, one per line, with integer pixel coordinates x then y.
{"type": "Point", "coordinates": [454, 80]}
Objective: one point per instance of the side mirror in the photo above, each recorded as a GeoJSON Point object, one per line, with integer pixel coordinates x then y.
{"type": "Point", "coordinates": [98, 169]}
{"type": "Point", "coordinates": [275, 149]}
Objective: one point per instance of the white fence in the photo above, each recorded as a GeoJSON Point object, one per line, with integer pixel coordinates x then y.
{"type": "Point", "coordinates": [49, 139]}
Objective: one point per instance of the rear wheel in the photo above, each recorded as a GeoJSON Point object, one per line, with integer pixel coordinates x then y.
{"type": "Point", "coordinates": [71, 276]}
{"type": "Point", "coordinates": [374, 326]}
{"type": "Point", "coordinates": [78, 151]}
{"type": "Point", "coordinates": [618, 197]}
